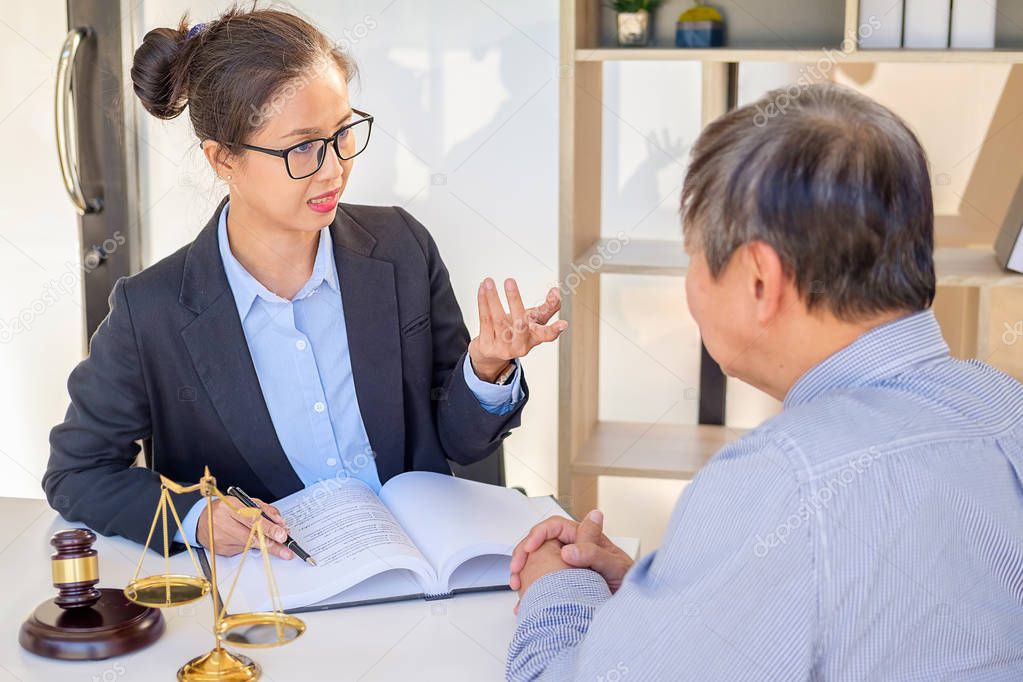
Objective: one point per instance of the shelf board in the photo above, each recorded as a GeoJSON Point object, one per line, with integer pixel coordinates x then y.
{"type": "Point", "coordinates": [651, 450]}
{"type": "Point", "coordinates": [637, 257]}
{"type": "Point", "coordinates": [799, 55]}
{"type": "Point", "coordinates": [972, 268]}
{"type": "Point", "coordinates": [962, 267]}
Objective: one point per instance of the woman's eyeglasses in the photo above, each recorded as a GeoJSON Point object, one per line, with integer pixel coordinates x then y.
{"type": "Point", "coordinates": [305, 158]}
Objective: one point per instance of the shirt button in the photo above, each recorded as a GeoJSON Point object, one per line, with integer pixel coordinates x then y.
{"type": "Point", "coordinates": [331, 461]}
{"type": "Point", "coordinates": [300, 344]}
{"type": "Point", "coordinates": [319, 406]}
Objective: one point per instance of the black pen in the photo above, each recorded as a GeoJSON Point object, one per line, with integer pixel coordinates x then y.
{"type": "Point", "coordinates": [239, 494]}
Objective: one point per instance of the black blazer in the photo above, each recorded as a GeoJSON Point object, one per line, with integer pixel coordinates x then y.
{"type": "Point", "coordinates": [170, 366]}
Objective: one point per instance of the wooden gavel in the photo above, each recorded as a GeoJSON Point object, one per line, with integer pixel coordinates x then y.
{"type": "Point", "coordinates": [75, 568]}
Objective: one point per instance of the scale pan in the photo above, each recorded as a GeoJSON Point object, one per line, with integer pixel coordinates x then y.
{"type": "Point", "coordinates": [162, 591]}
{"type": "Point", "coordinates": [260, 629]}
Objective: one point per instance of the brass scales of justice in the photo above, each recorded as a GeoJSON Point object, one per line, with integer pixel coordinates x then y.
{"type": "Point", "coordinates": [252, 630]}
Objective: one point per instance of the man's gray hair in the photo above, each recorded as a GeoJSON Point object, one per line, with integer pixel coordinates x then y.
{"type": "Point", "coordinates": [836, 183]}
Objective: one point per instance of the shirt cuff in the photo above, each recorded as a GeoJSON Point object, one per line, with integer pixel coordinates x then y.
{"type": "Point", "coordinates": [578, 586]}
{"type": "Point", "coordinates": [189, 524]}
{"type": "Point", "coordinates": [499, 400]}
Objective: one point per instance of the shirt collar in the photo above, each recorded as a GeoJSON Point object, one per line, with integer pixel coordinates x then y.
{"type": "Point", "coordinates": [247, 288]}
{"type": "Point", "coordinates": [882, 351]}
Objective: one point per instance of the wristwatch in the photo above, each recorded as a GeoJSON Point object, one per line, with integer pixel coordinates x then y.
{"type": "Point", "coordinates": [505, 376]}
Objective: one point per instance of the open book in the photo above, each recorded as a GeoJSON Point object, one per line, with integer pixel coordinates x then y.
{"type": "Point", "coordinates": [427, 535]}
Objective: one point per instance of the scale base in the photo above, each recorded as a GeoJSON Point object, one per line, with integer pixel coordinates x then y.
{"type": "Point", "coordinates": [219, 665]}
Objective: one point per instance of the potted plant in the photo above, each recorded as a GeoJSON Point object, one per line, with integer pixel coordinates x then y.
{"type": "Point", "coordinates": [634, 21]}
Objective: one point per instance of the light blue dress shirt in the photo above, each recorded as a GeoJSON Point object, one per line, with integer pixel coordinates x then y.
{"type": "Point", "coordinates": [873, 530]}
{"type": "Point", "coordinates": [300, 352]}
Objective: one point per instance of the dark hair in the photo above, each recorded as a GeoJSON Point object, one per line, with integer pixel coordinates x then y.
{"type": "Point", "coordinates": [230, 70]}
{"type": "Point", "coordinates": [836, 183]}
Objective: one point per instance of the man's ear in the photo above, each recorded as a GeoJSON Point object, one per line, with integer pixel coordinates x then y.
{"type": "Point", "coordinates": [768, 279]}
{"type": "Point", "coordinates": [219, 158]}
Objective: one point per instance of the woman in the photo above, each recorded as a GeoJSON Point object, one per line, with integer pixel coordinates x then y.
{"type": "Point", "coordinates": [296, 339]}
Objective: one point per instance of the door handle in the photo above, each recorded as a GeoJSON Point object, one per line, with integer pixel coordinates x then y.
{"type": "Point", "coordinates": [66, 123]}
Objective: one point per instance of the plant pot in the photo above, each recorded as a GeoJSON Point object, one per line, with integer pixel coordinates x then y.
{"type": "Point", "coordinates": [633, 28]}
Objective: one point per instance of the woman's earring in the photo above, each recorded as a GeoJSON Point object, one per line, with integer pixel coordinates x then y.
{"type": "Point", "coordinates": [228, 177]}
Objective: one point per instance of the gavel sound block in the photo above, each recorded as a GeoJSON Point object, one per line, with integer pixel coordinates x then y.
{"type": "Point", "coordinates": [84, 622]}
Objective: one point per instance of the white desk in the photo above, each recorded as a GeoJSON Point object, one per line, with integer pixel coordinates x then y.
{"type": "Point", "coordinates": [463, 638]}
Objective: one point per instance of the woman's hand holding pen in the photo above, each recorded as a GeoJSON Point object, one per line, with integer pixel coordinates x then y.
{"type": "Point", "coordinates": [232, 530]}
{"type": "Point", "coordinates": [506, 335]}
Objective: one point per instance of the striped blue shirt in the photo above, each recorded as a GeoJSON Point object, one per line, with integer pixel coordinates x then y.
{"type": "Point", "coordinates": [873, 530]}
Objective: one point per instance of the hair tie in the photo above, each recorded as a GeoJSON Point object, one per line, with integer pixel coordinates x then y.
{"type": "Point", "coordinates": [195, 29]}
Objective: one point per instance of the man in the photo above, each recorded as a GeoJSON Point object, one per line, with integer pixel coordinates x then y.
{"type": "Point", "coordinates": [873, 530]}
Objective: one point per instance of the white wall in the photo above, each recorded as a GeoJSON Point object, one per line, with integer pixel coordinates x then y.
{"type": "Point", "coordinates": [40, 310]}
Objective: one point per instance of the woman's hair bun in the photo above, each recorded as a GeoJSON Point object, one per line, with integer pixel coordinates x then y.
{"type": "Point", "coordinates": [231, 69]}
{"type": "Point", "coordinates": [159, 70]}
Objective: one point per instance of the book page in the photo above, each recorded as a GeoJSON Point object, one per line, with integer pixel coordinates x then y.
{"type": "Point", "coordinates": [350, 533]}
{"type": "Point", "coordinates": [395, 585]}
{"type": "Point", "coordinates": [480, 572]}
{"type": "Point", "coordinates": [452, 520]}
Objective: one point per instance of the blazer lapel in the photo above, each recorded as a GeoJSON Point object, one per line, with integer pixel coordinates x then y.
{"type": "Point", "coordinates": [216, 342]}
{"type": "Point", "coordinates": [370, 303]}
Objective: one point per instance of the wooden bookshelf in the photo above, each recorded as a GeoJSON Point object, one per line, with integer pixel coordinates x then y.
{"type": "Point", "coordinates": [588, 447]}
{"type": "Point", "coordinates": [650, 450]}
{"type": "Point", "coordinates": [805, 55]}
{"type": "Point", "coordinates": [965, 267]}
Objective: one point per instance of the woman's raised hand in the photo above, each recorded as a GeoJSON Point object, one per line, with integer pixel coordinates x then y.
{"type": "Point", "coordinates": [509, 334]}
